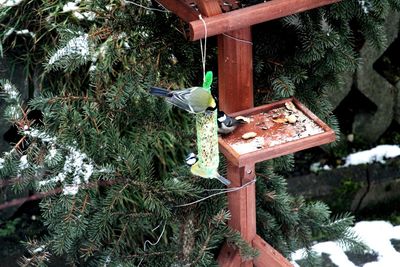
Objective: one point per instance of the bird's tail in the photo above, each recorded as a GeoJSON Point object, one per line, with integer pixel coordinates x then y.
{"type": "Point", "coordinates": [160, 92]}
{"type": "Point", "coordinates": [222, 179]}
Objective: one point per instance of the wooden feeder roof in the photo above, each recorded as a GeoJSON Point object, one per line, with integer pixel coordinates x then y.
{"type": "Point", "coordinates": [222, 16]}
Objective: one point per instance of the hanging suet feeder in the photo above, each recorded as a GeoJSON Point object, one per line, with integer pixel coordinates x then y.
{"type": "Point", "coordinates": [207, 141]}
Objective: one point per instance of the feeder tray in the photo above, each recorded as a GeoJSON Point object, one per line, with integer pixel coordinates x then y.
{"type": "Point", "coordinates": [281, 128]}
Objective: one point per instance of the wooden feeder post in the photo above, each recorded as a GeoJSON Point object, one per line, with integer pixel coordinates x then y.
{"type": "Point", "coordinates": [235, 83]}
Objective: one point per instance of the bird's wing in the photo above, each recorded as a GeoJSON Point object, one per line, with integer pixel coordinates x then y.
{"type": "Point", "coordinates": [229, 121]}
{"type": "Point", "coordinates": [200, 99]}
{"type": "Point", "coordinates": [181, 99]}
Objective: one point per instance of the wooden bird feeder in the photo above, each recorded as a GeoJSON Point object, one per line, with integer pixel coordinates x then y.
{"type": "Point", "coordinates": [231, 22]}
{"type": "Point", "coordinates": [281, 128]}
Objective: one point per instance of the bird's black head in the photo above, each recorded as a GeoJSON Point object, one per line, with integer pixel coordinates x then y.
{"type": "Point", "coordinates": [191, 159]}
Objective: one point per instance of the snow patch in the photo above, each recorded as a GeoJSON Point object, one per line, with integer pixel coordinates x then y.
{"type": "Point", "coordinates": [19, 32]}
{"type": "Point", "coordinates": [80, 167]}
{"type": "Point", "coordinates": [92, 68]}
{"type": "Point", "coordinates": [71, 189]}
{"type": "Point", "coordinates": [88, 15]}
{"type": "Point", "coordinates": [74, 8]}
{"type": "Point", "coordinates": [52, 153]}
{"type": "Point", "coordinates": [9, 3]}
{"type": "Point", "coordinates": [41, 135]}
{"type": "Point", "coordinates": [13, 112]}
{"type": "Point", "coordinates": [335, 252]}
{"type": "Point", "coordinates": [375, 234]}
{"type": "Point", "coordinates": [39, 249]}
{"type": "Point", "coordinates": [9, 32]}
{"type": "Point", "coordinates": [2, 163]}
{"type": "Point", "coordinates": [24, 31]}
{"type": "Point", "coordinates": [318, 166]}
{"type": "Point", "coordinates": [23, 162]}
{"type": "Point", "coordinates": [11, 91]}
{"type": "Point", "coordinates": [59, 178]}
{"type": "Point", "coordinates": [365, 6]}
{"type": "Point", "coordinates": [378, 153]}
{"type": "Point", "coordinates": [70, 6]}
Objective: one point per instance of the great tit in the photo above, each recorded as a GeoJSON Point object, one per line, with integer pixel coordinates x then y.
{"type": "Point", "coordinates": [193, 100]}
{"type": "Point", "coordinates": [192, 160]}
{"type": "Point", "coordinates": [227, 124]}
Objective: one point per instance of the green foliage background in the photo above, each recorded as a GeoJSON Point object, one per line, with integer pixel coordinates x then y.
{"type": "Point", "coordinates": [96, 107]}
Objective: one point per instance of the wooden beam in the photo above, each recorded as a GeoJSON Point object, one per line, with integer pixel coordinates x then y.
{"type": "Point", "coordinates": [229, 257]}
{"type": "Point", "coordinates": [235, 87]}
{"type": "Point", "coordinates": [268, 255]}
{"type": "Point", "coordinates": [209, 7]}
{"type": "Point", "coordinates": [235, 71]}
{"type": "Point", "coordinates": [242, 203]}
{"type": "Point", "coordinates": [242, 206]}
{"type": "Point", "coordinates": [245, 17]}
{"type": "Point", "coordinates": [181, 9]}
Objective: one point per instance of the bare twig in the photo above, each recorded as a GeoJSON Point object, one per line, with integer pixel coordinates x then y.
{"type": "Point", "coordinates": [19, 201]}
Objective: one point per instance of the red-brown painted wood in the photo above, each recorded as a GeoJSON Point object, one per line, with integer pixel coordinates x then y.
{"type": "Point", "coordinates": [248, 16]}
{"type": "Point", "coordinates": [269, 257]}
{"type": "Point", "coordinates": [242, 201]}
{"type": "Point", "coordinates": [229, 257]}
{"type": "Point", "coordinates": [235, 71]}
{"type": "Point", "coordinates": [209, 7]}
{"type": "Point", "coordinates": [279, 150]}
{"type": "Point", "coordinates": [282, 149]}
{"type": "Point", "coordinates": [242, 206]}
{"type": "Point", "coordinates": [181, 9]}
{"type": "Point", "coordinates": [235, 84]}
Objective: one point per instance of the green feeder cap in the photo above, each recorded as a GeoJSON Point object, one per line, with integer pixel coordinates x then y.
{"type": "Point", "coordinates": [208, 80]}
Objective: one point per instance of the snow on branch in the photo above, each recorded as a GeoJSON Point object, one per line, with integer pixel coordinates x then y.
{"type": "Point", "coordinates": [365, 5]}
{"type": "Point", "coordinates": [74, 8]}
{"type": "Point", "coordinates": [2, 163]}
{"type": "Point", "coordinates": [78, 46]}
{"type": "Point", "coordinates": [78, 168]}
{"type": "Point", "coordinates": [12, 96]}
{"type": "Point", "coordinates": [19, 32]}
{"type": "Point", "coordinates": [10, 90]}
{"type": "Point", "coordinates": [9, 3]}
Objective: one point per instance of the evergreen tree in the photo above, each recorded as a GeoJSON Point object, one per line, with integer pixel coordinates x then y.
{"type": "Point", "coordinates": [112, 156]}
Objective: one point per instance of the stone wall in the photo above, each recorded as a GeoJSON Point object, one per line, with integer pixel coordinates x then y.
{"type": "Point", "coordinates": [360, 186]}
{"type": "Point", "coordinates": [370, 123]}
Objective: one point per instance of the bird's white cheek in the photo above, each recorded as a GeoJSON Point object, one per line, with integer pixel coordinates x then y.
{"type": "Point", "coordinates": [223, 118]}
{"type": "Point", "coordinates": [191, 161]}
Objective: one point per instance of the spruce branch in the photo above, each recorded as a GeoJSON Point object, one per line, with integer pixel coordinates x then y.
{"type": "Point", "coordinates": [94, 100]}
